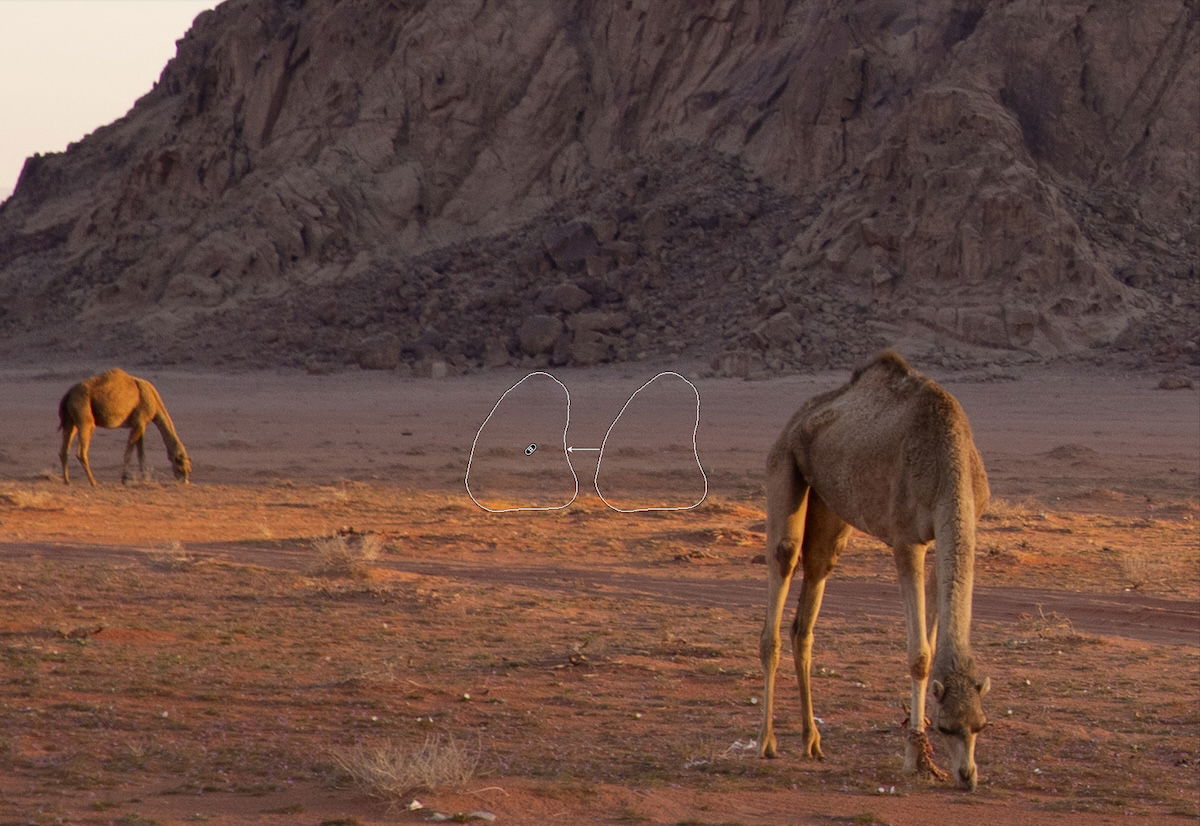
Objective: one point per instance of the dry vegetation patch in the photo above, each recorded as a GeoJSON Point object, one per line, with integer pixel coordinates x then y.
{"type": "Point", "coordinates": [394, 771]}
{"type": "Point", "coordinates": [346, 554]}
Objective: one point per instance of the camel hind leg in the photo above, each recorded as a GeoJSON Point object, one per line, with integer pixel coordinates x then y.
{"type": "Point", "coordinates": [64, 453]}
{"type": "Point", "coordinates": [787, 504]}
{"type": "Point", "coordinates": [825, 536]}
{"type": "Point", "coordinates": [922, 631]}
{"type": "Point", "coordinates": [86, 429]}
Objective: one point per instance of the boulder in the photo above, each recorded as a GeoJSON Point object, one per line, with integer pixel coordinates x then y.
{"type": "Point", "coordinates": [599, 321]}
{"type": "Point", "coordinates": [779, 331]}
{"type": "Point", "coordinates": [588, 348]}
{"type": "Point", "coordinates": [495, 352]}
{"type": "Point", "coordinates": [378, 352]}
{"type": "Point", "coordinates": [563, 298]}
{"type": "Point", "coordinates": [569, 245]}
{"type": "Point", "coordinates": [538, 334]}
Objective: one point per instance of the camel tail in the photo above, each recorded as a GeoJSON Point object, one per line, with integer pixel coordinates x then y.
{"type": "Point", "coordinates": [63, 413]}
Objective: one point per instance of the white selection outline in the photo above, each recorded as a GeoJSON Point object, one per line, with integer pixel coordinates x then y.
{"type": "Point", "coordinates": [695, 450]}
{"type": "Point", "coordinates": [566, 426]}
{"type": "Point", "coordinates": [600, 459]}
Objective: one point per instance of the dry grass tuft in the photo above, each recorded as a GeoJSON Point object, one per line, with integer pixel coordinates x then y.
{"type": "Point", "coordinates": [342, 555]}
{"type": "Point", "coordinates": [1001, 510]}
{"type": "Point", "coordinates": [27, 499]}
{"type": "Point", "coordinates": [392, 772]}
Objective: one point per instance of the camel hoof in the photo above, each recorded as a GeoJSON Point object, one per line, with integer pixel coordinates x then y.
{"type": "Point", "coordinates": [769, 750]}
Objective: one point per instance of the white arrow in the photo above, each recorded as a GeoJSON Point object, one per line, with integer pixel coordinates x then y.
{"type": "Point", "coordinates": [573, 449]}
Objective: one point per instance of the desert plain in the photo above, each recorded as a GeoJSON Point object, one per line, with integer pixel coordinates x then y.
{"type": "Point", "coordinates": [184, 654]}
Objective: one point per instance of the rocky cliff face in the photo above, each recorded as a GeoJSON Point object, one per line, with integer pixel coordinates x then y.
{"type": "Point", "coordinates": [481, 183]}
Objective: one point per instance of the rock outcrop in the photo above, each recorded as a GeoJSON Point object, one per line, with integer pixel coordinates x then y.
{"type": "Point", "coordinates": [383, 183]}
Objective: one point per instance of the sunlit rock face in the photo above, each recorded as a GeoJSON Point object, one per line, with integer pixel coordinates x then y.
{"type": "Point", "coordinates": [955, 175]}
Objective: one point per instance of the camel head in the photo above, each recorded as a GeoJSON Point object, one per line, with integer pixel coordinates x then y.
{"type": "Point", "coordinates": [182, 466]}
{"type": "Point", "coordinates": [958, 716]}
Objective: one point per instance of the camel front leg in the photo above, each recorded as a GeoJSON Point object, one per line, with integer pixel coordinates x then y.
{"type": "Point", "coordinates": [787, 504]}
{"type": "Point", "coordinates": [910, 568]}
{"type": "Point", "coordinates": [136, 433]}
{"type": "Point", "coordinates": [781, 565]}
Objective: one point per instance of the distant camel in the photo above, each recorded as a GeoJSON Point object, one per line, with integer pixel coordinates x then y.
{"type": "Point", "coordinates": [891, 454]}
{"type": "Point", "coordinates": [116, 399]}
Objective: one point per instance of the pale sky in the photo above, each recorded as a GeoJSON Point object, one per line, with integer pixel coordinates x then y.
{"type": "Point", "coordinates": [70, 66]}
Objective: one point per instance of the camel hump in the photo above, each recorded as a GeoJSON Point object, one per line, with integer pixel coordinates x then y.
{"type": "Point", "coordinates": [888, 361]}
{"type": "Point", "coordinates": [149, 391]}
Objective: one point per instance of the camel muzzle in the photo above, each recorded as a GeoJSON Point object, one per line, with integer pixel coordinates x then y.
{"type": "Point", "coordinates": [968, 778]}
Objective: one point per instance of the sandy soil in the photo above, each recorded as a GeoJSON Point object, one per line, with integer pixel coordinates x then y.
{"type": "Point", "coordinates": [182, 654]}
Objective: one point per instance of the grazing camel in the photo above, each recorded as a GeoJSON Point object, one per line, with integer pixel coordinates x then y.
{"type": "Point", "coordinates": [889, 453]}
{"type": "Point", "coordinates": [116, 399]}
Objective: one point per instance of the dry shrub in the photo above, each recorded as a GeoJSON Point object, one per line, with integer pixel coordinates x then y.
{"type": "Point", "coordinates": [1135, 565]}
{"type": "Point", "coordinates": [392, 772]}
{"type": "Point", "coordinates": [1140, 568]}
{"type": "Point", "coordinates": [174, 558]}
{"type": "Point", "coordinates": [342, 555]}
{"type": "Point", "coordinates": [1051, 626]}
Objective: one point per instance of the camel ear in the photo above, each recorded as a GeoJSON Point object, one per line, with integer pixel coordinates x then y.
{"type": "Point", "coordinates": [938, 690]}
{"type": "Point", "coordinates": [985, 686]}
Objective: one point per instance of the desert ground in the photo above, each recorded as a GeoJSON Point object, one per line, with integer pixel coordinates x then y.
{"type": "Point", "coordinates": [196, 654]}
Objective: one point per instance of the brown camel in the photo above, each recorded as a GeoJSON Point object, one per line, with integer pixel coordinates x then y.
{"type": "Point", "coordinates": [116, 399]}
{"type": "Point", "coordinates": [889, 453]}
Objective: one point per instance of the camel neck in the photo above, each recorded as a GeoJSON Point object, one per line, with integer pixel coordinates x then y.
{"type": "Point", "coordinates": [954, 605]}
{"type": "Point", "coordinates": [170, 438]}
{"type": "Point", "coordinates": [955, 560]}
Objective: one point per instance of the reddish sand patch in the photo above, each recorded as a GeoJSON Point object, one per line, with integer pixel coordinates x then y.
{"type": "Point", "coordinates": [174, 655]}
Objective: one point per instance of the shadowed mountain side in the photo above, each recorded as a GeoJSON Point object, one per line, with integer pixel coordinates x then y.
{"type": "Point", "coordinates": [762, 183]}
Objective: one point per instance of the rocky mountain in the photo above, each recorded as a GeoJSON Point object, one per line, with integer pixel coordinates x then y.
{"type": "Point", "coordinates": [763, 182]}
